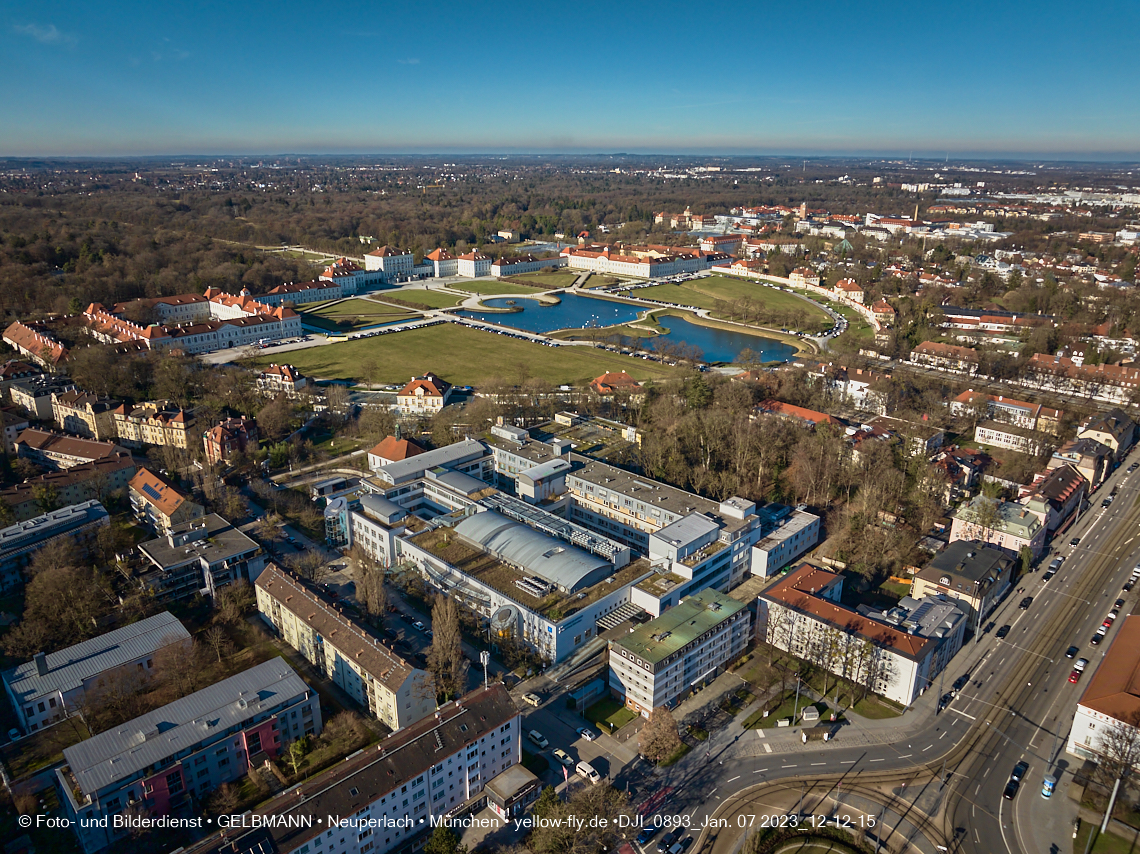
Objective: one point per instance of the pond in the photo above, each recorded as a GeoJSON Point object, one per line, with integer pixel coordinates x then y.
{"type": "Point", "coordinates": [581, 312]}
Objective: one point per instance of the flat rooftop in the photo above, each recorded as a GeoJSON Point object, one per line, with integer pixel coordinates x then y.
{"type": "Point", "coordinates": [222, 541]}
{"type": "Point", "coordinates": [446, 545]}
{"type": "Point", "coordinates": [680, 625]}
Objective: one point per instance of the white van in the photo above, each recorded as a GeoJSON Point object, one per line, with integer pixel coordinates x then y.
{"type": "Point", "coordinates": [586, 771]}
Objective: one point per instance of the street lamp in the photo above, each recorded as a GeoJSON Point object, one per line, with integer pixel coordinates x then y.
{"type": "Point", "coordinates": [484, 657]}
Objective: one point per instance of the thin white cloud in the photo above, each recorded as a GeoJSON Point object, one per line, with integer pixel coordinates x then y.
{"type": "Point", "coordinates": [50, 34]}
{"type": "Point", "coordinates": [410, 61]}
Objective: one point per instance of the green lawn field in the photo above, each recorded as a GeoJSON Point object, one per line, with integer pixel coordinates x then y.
{"type": "Point", "coordinates": [465, 356]}
{"type": "Point", "coordinates": [550, 279]}
{"type": "Point", "coordinates": [327, 315]}
{"type": "Point", "coordinates": [494, 286]}
{"type": "Point", "coordinates": [431, 299]}
{"type": "Point", "coordinates": [706, 292]}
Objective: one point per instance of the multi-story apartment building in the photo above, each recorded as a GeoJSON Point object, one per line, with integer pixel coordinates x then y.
{"type": "Point", "coordinates": [1009, 526]}
{"type": "Point", "coordinates": [52, 686]}
{"type": "Point", "coordinates": [86, 415]}
{"type": "Point", "coordinates": [79, 523]}
{"type": "Point", "coordinates": [424, 395]}
{"type": "Point", "coordinates": [203, 556]}
{"type": "Point", "coordinates": [393, 792]}
{"type": "Point", "coordinates": [1019, 413]}
{"type": "Point", "coordinates": [975, 576]}
{"type": "Point", "coordinates": [14, 371]}
{"type": "Point", "coordinates": [344, 650]}
{"type": "Point", "coordinates": [35, 395]}
{"type": "Point", "coordinates": [947, 356]}
{"type": "Point", "coordinates": [395, 264]}
{"type": "Point", "coordinates": [164, 759]}
{"type": "Point", "coordinates": [299, 293]}
{"type": "Point", "coordinates": [14, 424]}
{"type": "Point", "coordinates": [55, 451]}
{"type": "Point", "coordinates": [1109, 706]}
{"type": "Point", "coordinates": [686, 647]}
{"type": "Point", "coordinates": [157, 503]}
{"type": "Point", "coordinates": [791, 533]}
{"type": "Point", "coordinates": [1010, 437]}
{"type": "Point", "coordinates": [281, 378]}
{"type": "Point", "coordinates": [896, 654]}
{"type": "Point", "coordinates": [36, 342]}
{"type": "Point", "coordinates": [160, 422]}
{"type": "Point", "coordinates": [1113, 429]}
{"type": "Point", "coordinates": [93, 481]}
{"type": "Point", "coordinates": [230, 437]}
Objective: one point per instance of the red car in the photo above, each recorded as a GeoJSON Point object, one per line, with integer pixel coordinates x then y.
{"type": "Point", "coordinates": [1075, 676]}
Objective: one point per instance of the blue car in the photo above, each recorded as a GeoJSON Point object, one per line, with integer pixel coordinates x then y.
{"type": "Point", "coordinates": [646, 834]}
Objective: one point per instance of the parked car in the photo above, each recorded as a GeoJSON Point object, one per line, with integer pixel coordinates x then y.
{"type": "Point", "coordinates": [647, 833]}
{"type": "Point", "coordinates": [538, 738]}
{"type": "Point", "coordinates": [961, 681]}
{"type": "Point", "coordinates": [1003, 631]}
{"type": "Point", "coordinates": [1075, 541]}
{"type": "Point", "coordinates": [418, 626]}
{"type": "Point", "coordinates": [13, 734]}
{"type": "Point", "coordinates": [1075, 675]}
{"type": "Point", "coordinates": [587, 772]}
{"type": "Point", "coordinates": [1025, 603]}
{"type": "Point", "coordinates": [1072, 651]}
{"type": "Point", "coordinates": [563, 757]}
{"type": "Point", "coordinates": [532, 700]}
{"type": "Point", "coordinates": [587, 733]}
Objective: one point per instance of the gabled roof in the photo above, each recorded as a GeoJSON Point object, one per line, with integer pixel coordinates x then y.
{"type": "Point", "coordinates": [776, 407]}
{"type": "Point", "coordinates": [394, 449]}
{"type": "Point", "coordinates": [798, 589]}
{"type": "Point", "coordinates": [157, 492]}
{"type": "Point", "coordinates": [1114, 689]}
{"type": "Point", "coordinates": [440, 255]}
{"type": "Point", "coordinates": [388, 252]}
{"type": "Point", "coordinates": [432, 386]}
{"type": "Point", "coordinates": [611, 382]}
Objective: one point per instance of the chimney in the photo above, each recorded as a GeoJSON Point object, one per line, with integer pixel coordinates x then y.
{"type": "Point", "coordinates": [41, 663]}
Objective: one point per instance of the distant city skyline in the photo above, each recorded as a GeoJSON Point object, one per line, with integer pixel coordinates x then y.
{"type": "Point", "coordinates": [1013, 80]}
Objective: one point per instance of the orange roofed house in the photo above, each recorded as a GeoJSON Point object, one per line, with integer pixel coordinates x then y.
{"type": "Point", "coordinates": [613, 383]}
{"type": "Point", "coordinates": [157, 502]}
{"type": "Point", "coordinates": [896, 653]}
{"type": "Point", "coordinates": [229, 437]}
{"type": "Point", "coordinates": [423, 395]}
{"type": "Point", "coordinates": [807, 417]}
{"type": "Point", "coordinates": [1112, 696]}
{"type": "Point", "coordinates": [391, 450]}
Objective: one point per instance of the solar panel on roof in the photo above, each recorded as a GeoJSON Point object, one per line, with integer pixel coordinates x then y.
{"type": "Point", "coordinates": [151, 491]}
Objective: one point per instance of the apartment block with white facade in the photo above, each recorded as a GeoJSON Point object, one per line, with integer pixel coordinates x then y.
{"type": "Point", "coordinates": [896, 655]}
{"type": "Point", "coordinates": [686, 647]}
{"type": "Point", "coordinates": [343, 649]}
{"type": "Point", "coordinates": [1111, 698]}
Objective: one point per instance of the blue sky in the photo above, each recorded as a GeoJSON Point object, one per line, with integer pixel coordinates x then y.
{"type": "Point", "coordinates": [968, 79]}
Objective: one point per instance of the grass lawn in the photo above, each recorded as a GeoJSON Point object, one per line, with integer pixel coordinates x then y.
{"type": "Point", "coordinates": [466, 356]}
{"type": "Point", "coordinates": [875, 708]}
{"type": "Point", "coordinates": [597, 281]}
{"type": "Point", "coordinates": [550, 279]}
{"type": "Point", "coordinates": [493, 286]}
{"type": "Point", "coordinates": [361, 311]}
{"type": "Point", "coordinates": [428, 299]}
{"type": "Point", "coordinates": [41, 749]}
{"type": "Point", "coordinates": [1108, 843]}
{"type": "Point", "coordinates": [676, 757]}
{"type": "Point", "coordinates": [609, 714]}
{"type": "Point", "coordinates": [757, 720]}
{"type": "Point", "coordinates": [706, 292]}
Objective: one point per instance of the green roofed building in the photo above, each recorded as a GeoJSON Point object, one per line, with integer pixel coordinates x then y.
{"type": "Point", "coordinates": [659, 662]}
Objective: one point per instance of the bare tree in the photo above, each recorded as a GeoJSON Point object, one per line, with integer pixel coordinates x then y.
{"type": "Point", "coordinates": [218, 641]}
{"type": "Point", "coordinates": [310, 565]}
{"type": "Point", "coordinates": [234, 601]}
{"type": "Point", "coordinates": [446, 662]}
{"type": "Point", "coordinates": [658, 739]}
{"type": "Point", "coordinates": [1118, 749]}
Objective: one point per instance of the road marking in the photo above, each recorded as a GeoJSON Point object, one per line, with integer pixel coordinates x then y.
{"type": "Point", "coordinates": [942, 736]}
{"type": "Point", "coordinates": [767, 747]}
{"type": "Point", "coordinates": [759, 770]}
{"type": "Point", "coordinates": [848, 762]}
{"type": "Point", "coordinates": [788, 766]}
{"type": "Point", "coordinates": [986, 773]}
{"type": "Point", "coordinates": [927, 748]}
{"type": "Point", "coordinates": [879, 760]}
{"type": "Point", "coordinates": [814, 763]}
{"type": "Point", "coordinates": [963, 714]}
{"type": "Point", "coordinates": [977, 789]}
{"type": "Point", "coordinates": [713, 792]}
{"type": "Point", "coordinates": [760, 733]}
{"type": "Point", "coordinates": [737, 777]}
{"type": "Point", "coordinates": [905, 755]}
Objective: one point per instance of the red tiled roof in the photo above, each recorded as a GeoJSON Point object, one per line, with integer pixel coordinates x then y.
{"type": "Point", "coordinates": [169, 500]}
{"type": "Point", "coordinates": [776, 407]}
{"type": "Point", "coordinates": [611, 382]}
{"type": "Point", "coordinates": [797, 590]}
{"type": "Point", "coordinates": [396, 449]}
{"type": "Point", "coordinates": [1114, 689]}
{"type": "Point", "coordinates": [432, 385]}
